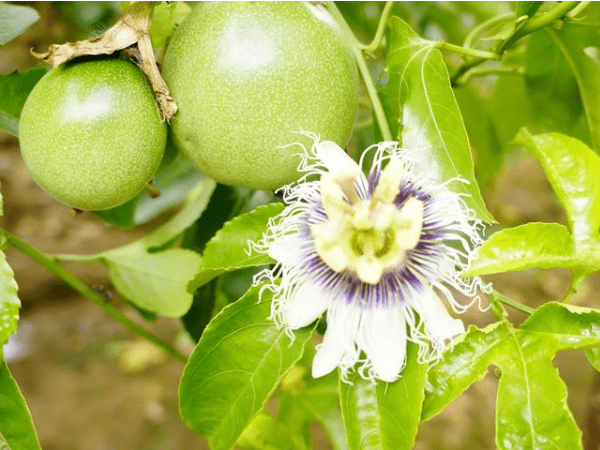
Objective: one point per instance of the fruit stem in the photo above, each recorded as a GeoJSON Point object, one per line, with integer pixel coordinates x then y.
{"type": "Point", "coordinates": [365, 73]}
{"type": "Point", "coordinates": [48, 262]}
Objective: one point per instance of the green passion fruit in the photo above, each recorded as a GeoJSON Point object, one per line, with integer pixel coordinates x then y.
{"type": "Point", "coordinates": [247, 77]}
{"type": "Point", "coordinates": [91, 133]}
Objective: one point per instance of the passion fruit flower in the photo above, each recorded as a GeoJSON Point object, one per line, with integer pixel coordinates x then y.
{"type": "Point", "coordinates": [375, 253]}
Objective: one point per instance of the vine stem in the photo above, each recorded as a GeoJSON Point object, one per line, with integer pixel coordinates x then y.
{"type": "Point", "coordinates": [510, 302]}
{"type": "Point", "coordinates": [365, 73]}
{"type": "Point", "coordinates": [484, 72]}
{"type": "Point", "coordinates": [530, 26]}
{"type": "Point", "coordinates": [48, 262]}
{"type": "Point", "coordinates": [466, 51]}
{"type": "Point", "coordinates": [376, 42]}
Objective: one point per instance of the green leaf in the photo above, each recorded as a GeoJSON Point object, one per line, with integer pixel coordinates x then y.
{"type": "Point", "coordinates": [384, 416]}
{"type": "Point", "coordinates": [237, 364]}
{"type": "Point", "coordinates": [464, 364]}
{"type": "Point", "coordinates": [15, 88]}
{"type": "Point", "coordinates": [156, 282]}
{"type": "Point", "coordinates": [482, 133]}
{"type": "Point", "coordinates": [167, 17]}
{"type": "Point", "coordinates": [197, 200]}
{"type": "Point", "coordinates": [14, 20]}
{"type": "Point", "coordinates": [16, 425]}
{"type": "Point", "coordinates": [531, 412]}
{"type": "Point", "coordinates": [542, 245]}
{"type": "Point", "coordinates": [551, 91]}
{"type": "Point", "coordinates": [319, 399]}
{"type": "Point", "coordinates": [226, 251]}
{"type": "Point", "coordinates": [150, 277]}
{"type": "Point", "coordinates": [3, 443]}
{"type": "Point", "coordinates": [526, 8]}
{"type": "Point", "coordinates": [266, 432]}
{"type": "Point", "coordinates": [225, 202]}
{"type": "Point", "coordinates": [9, 301]}
{"type": "Point", "coordinates": [593, 356]}
{"type": "Point", "coordinates": [419, 99]}
{"type": "Point", "coordinates": [580, 47]}
{"type": "Point", "coordinates": [573, 170]}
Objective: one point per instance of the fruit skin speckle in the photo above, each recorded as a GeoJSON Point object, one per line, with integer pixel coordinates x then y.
{"type": "Point", "coordinates": [91, 133]}
{"type": "Point", "coordinates": [247, 76]}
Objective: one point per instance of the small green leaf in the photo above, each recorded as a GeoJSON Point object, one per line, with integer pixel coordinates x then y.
{"type": "Point", "coordinates": [423, 113]}
{"type": "Point", "coordinates": [167, 17]}
{"type": "Point", "coordinates": [542, 245]}
{"type": "Point", "coordinates": [16, 425]}
{"type": "Point", "coordinates": [580, 48]}
{"type": "Point", "coordinates": [156, 282]}
{"type": "Point", "coordinates": [573, 170]}
{"type": "Point", "coordinates": [319, 398]}
{"type": "Point", "coordinates": [265, 432]}
{"type": "Point", "coordinates": [14, 20]}
{"type": "Point", "coordinates": [384, 416]}
{"type": "Point", "coordinates": [15, 88]}
{"type": "Point", "coordinates": [593, 356]}
{"type": "Point", "coordinates": [226, 251]}
{"type": "Point", "coordinates": [9, 301]}
{"type": "Point", "coordinates": [237, 364]}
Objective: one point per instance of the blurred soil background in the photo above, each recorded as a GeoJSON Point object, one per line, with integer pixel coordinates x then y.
{"type": "Point", "coordinates": [92, 385]}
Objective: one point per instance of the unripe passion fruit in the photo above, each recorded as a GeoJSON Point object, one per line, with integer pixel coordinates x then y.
{"type": "Point", "coordinates": [247, 77]}
{"type": "Point", "coordinates": [91, 133]}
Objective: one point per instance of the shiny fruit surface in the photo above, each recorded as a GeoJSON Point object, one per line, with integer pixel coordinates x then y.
{"type": "Point", "coordinates": [247, 77]}
{"type": "Point", "coordinates": [91, 133]}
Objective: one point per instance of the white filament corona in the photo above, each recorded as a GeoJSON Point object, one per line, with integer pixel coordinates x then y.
{"type": "Point", "coordinates": [375, 253]}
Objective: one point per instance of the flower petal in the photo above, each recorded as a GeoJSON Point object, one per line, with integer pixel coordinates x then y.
{"type": "Point", "coordinates": [439, 324]}
{"type": "Point", "coordinates": [382, 336]}
{"type": "Point", "coordinates": [338, 348]}
{"type": "Point", "coordinates": [288, 250]}
{"type": "Point", "coordinates": [305, 305]}
{"type": "Point", "coordinates": [335, 159]}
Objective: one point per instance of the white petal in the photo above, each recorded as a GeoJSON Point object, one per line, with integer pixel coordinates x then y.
{"type": "Point", "coordinates": [335, 159]}
{"type": "Point", "coordinates": [288, 250]}
{"type": "Point", "coordinates": [306, 305]}
{"type": "Point", "coordinates": [338, 348]}
{"type": "Point", "coordinates": [439, 325]}
{"type": "Point", "coordinates": [382, 337]}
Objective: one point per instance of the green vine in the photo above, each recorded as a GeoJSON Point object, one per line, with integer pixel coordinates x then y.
{"type": "Point", "coordinates": [363, 68]}
{"type": "Point", "coordinates": [50, 263]}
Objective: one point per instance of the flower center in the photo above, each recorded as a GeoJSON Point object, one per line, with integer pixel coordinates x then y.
{"type": "Point", "coordinates": [366, 237]}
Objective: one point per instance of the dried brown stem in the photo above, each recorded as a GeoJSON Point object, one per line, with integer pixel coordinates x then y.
{"type": "Point", "coordinates": [152, 190]}
{"type": "Point", "coordinates": [131, 34]}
